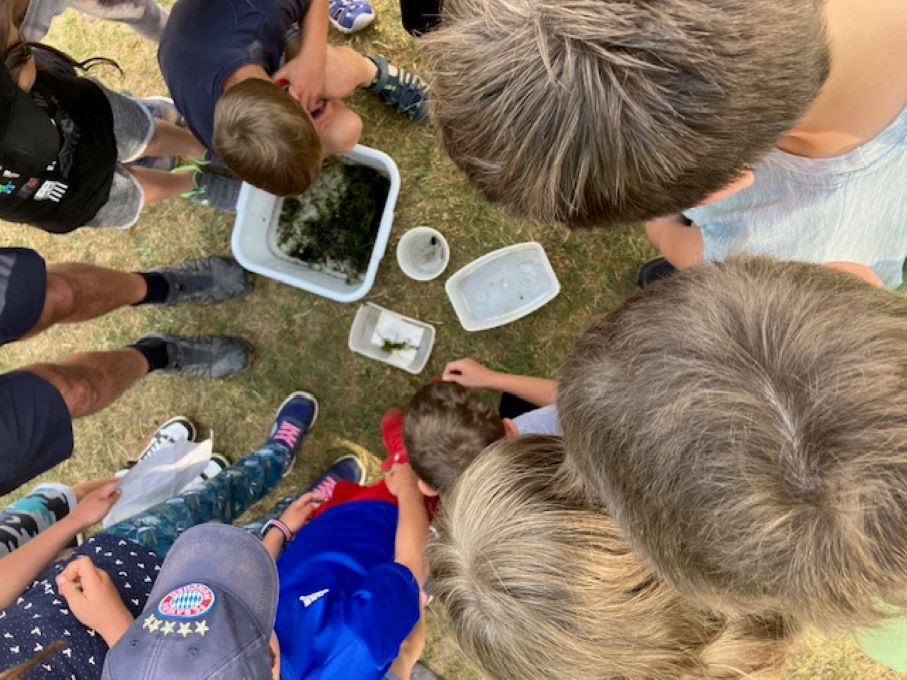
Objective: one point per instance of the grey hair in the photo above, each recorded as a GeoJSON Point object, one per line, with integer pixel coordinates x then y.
{"type": "Point", "coordinates": [747, 426]}
{"type": "Point", "coordinates": [606, 111]}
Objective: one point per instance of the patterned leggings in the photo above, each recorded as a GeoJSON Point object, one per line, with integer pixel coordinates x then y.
{"type": "Point", "coordinates": [30, 515]}
{"type": "Point", "coordinates": [220, 499]}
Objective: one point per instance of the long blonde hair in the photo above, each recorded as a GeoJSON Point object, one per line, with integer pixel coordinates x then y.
{"type": "Point", "coordinates": [536, 584]}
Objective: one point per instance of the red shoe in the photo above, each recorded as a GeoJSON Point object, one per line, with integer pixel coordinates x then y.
{"type": "Point", "coordinates": [392, 435]}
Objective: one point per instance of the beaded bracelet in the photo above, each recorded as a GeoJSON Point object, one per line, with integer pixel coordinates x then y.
{"type": "Point", "coordinates": [281, 527]}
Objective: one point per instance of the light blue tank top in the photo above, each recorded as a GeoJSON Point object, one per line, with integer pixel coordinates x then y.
{"type": "Point", "coordinates": [851, 208]}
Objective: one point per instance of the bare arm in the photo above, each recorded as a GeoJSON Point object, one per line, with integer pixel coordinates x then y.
{"type": "Point", "coordinates": [412, 522]}
{"type": "Point", "coordinates": [470, 373]}
{"type": "Point", "coordinates": [19, 569]}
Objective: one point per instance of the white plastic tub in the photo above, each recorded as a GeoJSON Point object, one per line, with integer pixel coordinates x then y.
{"type": "Point", "coordinates": [502, 286]}
{"type": "Point", "coordinates": [258, 210]}
{"type": "Point", "coordinates": [368, 332]}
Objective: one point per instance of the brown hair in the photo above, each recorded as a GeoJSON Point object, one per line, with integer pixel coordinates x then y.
{"type": "Point", "coordinates": [21, 669]}
{"type": "Point", "coordinates": [446, 427]}
{"type": "Point", "coordinates": [607, 111]}
{"type": "Point", "coordinates": [535, 584]}
{"type": "Point", "coordinates": [266, 138]}
{"type": "Point", "coordinates": [746, 424]}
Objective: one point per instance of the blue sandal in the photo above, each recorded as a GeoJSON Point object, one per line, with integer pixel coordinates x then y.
{"type": "Point", "coordinates": [405, 91]}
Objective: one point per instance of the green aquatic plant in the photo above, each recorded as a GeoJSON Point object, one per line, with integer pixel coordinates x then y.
{"type": "Point", "coordinates": [333, 225]}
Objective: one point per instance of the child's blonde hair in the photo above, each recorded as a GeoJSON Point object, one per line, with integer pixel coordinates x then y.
{"type": "Point", "coordinates": [746, 423]}
{"type": "Point", "coordinates": [266, 138]}
{"type": "Point", "coordinates": [535, 584]}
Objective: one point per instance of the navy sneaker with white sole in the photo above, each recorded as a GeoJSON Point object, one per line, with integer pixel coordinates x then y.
{"type": "Point", "coordinates": [292, 422]}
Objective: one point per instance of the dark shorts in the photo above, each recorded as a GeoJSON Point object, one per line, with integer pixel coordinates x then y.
{"type": "Point", "coordinates": [23, 283]}
{"type": "Point", "coordinates": [35, 428]}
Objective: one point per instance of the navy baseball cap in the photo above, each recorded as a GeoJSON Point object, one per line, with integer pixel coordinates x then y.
{"type": "Point", "coordinates": [210, 614]}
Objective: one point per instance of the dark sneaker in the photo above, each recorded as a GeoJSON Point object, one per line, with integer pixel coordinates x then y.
{"type": "Point", "coordinates": [209, 356]}
{"type": "Point", "coordinates": [345, 469]}
{"type": "Point", "coordinates": [654, 270]}
{"type": "Point", "coordinates": [206, 279]}
{"type": "Point", "coordinates": [292, 422]}
{"type": "Point", "coordinates": [403, 90]}
{"type": "Point", "coordinates": [213, 188]}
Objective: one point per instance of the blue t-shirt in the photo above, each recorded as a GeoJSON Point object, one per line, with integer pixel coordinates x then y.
{"type": "Point", "coordinates": [207, 40]}
{"type": "Point", "coordinates": [345, 606]}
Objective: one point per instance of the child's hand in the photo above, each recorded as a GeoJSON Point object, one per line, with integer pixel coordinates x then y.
{"type": "Point", "coordinates": [300, 510]}
{"type": "Point", "coordinates": [93, 599]}
{"type": "Point", "coordinates": [305, 74]}
{"type": "Point", "coordinates": [401, 480]}
{"type": "Point", "coordinates": [469, 373]}
{"type": "Point", "coordinates": [95, 505]}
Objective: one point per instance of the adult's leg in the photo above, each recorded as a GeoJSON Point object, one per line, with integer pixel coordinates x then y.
{"type": "Point", "coordinates": [145, 17]}
{"type": "Point", "coordinates": [78, 292]}
{"type": "Point", "coordinates": [228, 495]}
{"type": "Point", "coordinates": [89, 381]}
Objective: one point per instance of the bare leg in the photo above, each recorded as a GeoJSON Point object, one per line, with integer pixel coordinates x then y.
{"type": "Point", "coordinates": [160, 185]}
{"type": "Point", "coordinates": [172, 140]}
{"type": "Point", "coordinates": [680, 243]}
{"type": "Point", "coordinates": [90, 381]}
{"type": "Point", "coordinates": [78, 292]}
{"type": "Point", "coordinates": [342, 131]}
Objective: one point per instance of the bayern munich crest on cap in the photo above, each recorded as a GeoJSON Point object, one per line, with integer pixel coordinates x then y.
{"type": "Point", "coordinates": [186, 602]}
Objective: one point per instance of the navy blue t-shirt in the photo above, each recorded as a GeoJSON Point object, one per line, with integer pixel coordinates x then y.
{"type": "Point", "coordinates": [345, 606]}
{"type": "Point", "coordinates": [207, 40]}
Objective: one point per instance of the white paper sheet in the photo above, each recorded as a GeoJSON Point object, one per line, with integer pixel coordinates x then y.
{"type": "Point", "coordinates": [158, 477]}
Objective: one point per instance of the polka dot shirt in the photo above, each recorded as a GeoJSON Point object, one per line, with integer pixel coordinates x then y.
{"type": "Point", "coordinates": [40, 615]}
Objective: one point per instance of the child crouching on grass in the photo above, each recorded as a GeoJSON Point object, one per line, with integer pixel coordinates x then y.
{"type": "Point", "coordinates": [67, 139]}
{"type": "Point", "coordinates": [273, 125]}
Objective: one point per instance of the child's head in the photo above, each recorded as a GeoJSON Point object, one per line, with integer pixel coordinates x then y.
{"type": "Point", "coordinates": [446, 427]}
{"type": "Point", "coordinates": [603, 111]}
{"type": "Point", "coordinates": [536, 584]}
{"type": "Point", "coordinates": [746, 423]}
{"type": "Point", "coordinates": [266, 138]}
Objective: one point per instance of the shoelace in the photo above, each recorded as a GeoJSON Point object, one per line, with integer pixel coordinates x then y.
{"type": "Point", "coordinates": [287, 433]}
{"type": "Point", "coordinates": [325, 488]}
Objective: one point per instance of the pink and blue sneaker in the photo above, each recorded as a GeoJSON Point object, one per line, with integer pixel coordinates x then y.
{"type": "Point", "coordinates": [294, 418]}
{"type": "Point", "coordinates": [350, 16]}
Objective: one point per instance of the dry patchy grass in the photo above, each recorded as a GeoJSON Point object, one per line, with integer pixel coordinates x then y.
{"type": "Point", "coordinates": [301, 339]}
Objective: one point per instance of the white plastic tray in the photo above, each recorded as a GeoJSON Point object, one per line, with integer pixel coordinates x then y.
{"type": "Point", "coordinates": [363, 330]}
{"type": "Point", "coordinates": [502, 286]}
{"type": "Point", "coordinates": [257, 210]}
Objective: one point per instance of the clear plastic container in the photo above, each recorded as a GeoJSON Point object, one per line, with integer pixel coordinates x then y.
{"type": "Point", "coordinates": [502, 286]}
{"type": "Point", "coordinates": [257, 212]}
{"type": "Point", "coordinates": [374, 325]}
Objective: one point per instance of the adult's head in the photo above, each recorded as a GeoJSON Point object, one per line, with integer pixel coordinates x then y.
{"type": "Point", "coordinates": [596, 112]}
{"type": "Point", "coordinates": [746, 424]}
{"type": "Point", "coordinates": [537, 585]}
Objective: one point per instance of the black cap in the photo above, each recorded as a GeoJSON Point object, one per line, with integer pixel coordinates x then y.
{"type": "Point", "coordinates": [29, 140]}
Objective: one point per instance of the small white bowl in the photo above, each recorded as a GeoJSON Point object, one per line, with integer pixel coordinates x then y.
{"type": "Point", "coordinates": [423, 253]}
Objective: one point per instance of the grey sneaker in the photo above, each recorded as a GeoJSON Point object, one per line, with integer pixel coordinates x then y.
{"type": "Point", "coordinates": [213, 188]}
{"type": "Point", "coordinates": [206, 279]}
{"type": "Point", "coordinates": [209, 356]}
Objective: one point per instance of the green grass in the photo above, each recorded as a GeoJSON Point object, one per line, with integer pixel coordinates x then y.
{"type": "Point", "coordinates": [301, 339]}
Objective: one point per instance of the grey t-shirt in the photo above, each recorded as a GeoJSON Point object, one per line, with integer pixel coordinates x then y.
{"type": "Point", "coordinates": [850, 208]}
{"type": "Point", "coordinates": [542, 420]}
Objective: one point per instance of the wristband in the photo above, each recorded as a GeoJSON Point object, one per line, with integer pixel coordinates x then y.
{"type": "Point", "coordinates": [281, 527]}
